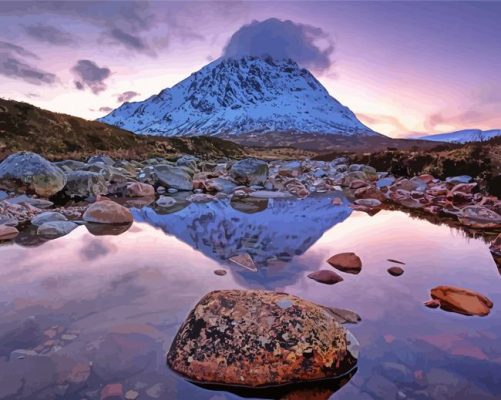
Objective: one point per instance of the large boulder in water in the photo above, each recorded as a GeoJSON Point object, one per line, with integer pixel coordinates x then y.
{"type": "Point", "coordinates": [107, 212]}
{"type": "Point", "coordinates": [33, 172]}
{"type": "Point", "coordinates": [260, 338]}
{"type": "Point", "coordinates": [250, 171]}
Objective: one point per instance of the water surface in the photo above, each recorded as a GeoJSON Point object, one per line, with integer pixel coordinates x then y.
{"type": "Point", "coordinates": [116, 301]}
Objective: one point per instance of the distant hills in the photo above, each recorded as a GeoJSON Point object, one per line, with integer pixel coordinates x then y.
{"type": "Point", "coordinates": [464, 136]}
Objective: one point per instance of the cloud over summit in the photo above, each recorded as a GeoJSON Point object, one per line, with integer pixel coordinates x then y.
{"type": "Point", "coordinates": [89, 75]}
{"type": "Point", "coordinates": [309, 46]}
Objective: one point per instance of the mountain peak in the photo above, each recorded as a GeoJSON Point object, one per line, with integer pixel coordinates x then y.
{"type": "Point", "coordinates": [235, 96]}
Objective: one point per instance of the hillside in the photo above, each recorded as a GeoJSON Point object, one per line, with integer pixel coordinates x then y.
{"type": "Point", "coordinates": [58, 136]}
{"type": "Point", "coordinates": [464, 136]}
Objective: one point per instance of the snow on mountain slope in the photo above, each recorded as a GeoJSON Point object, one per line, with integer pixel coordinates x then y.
{"type": "Point", "coordinates": [239, 96]}
{"type": "Point", "coordinates": [464, 136]}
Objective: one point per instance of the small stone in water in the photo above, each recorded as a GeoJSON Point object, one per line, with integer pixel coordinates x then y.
{"type": "Point", "coordinates": [220, 272]}
{"type": "Point", "coordinates": [395, 271]}
{"type": "Point", "coordinates": [131, 395]}
{"type": "Point", "coordinates": [395, 261]}
{"type": "Point", "coordinates": [346, 262]}
{"type": "Point", "coordinates": [325, 276]}
{"type": "Point", "coordinates": [432, 304]}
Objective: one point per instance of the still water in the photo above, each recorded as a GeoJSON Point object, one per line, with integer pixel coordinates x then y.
{"type": "Point", "coordinates": [91, 309]}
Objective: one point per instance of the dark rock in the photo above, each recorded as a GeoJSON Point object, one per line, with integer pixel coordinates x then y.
{"type": "Point", "coordinates": [220, 272]}
{"type": "Point", "coordinates": [346, 262]}
{"type": "Point", "coordinates": [258, 338]}
{"type": "Point", "coordinates": [325, 276]}
{"type": "Point", "coordinates": [395, 271]}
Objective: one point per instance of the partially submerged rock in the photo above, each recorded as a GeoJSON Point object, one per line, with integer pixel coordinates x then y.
{"type": "Point", "coordinates": [461, 301]}
{"type": "Point", "coordinates": [107, 212]}
{"type": "Point", "coordinates": [260, 339]}
{"type": "Point", "coordinates": [325, 276]}
{"type": "Point", "coordinates": [479, 217]}
{"type": "Point", "coordinates": [82, 184]}
{"type": "Point", "coordinates": [55, 229]}
{"type": "Point", "coordinates": [395, 271]}
{"type": "Point", "coordinates": [48, 216]}
{"type": "Point", "coordinates": [33, 172]}
{"type": "Point", "coordinates": [346, 262]}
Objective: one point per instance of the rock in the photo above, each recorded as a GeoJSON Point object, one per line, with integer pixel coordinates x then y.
{"type": "Point", "coordinates": [166, 201]}
{"type": "Point", "coordinates": [260, 338]}
{"type": "Point", "coordinates": [107, 212]}
{"type": "Point", "coordinates": [291, 169]}
{"type": "Point", "coordinates": [187, 160]}
{"type": "Point", "coordinates": [479, 217]}
{"type": "Point", "coordinates": [173, 177]}
{"type": "Point", "coordinates": [395, 261]}
{"type": "Point", "coordinates": [220, 272]}
{"type": "Point", "coordinates": [112, 391]}
{"type": "Point", "coordinates": [336, 201]}
{"type": "Point", "coordinates": [464, 187]}
{"type": "Point", "coordinates": [368, 202]}
{"type": "Point", "coordinates": [220, 185]}
{"type": "Point", "coordinates": [459, 179]}
{"type": "Point", "coordinates": [23, 199]}
{"type": "Point", "coordinates": [250, 171]}
{"type": "Point", "coordinates": [325, 276]}
{"type": "Point", "coordinates": [138, 189]}
{"type": "Point", "coordinates": [268, 194]}
{"type": "Point", "coordinates": [104, 159]}
{"type": "Point", "coordinates": [69, 165]}
{"type": "Point", "coordinates": [244, 260]}
{"type": "Point", "coordinates": [8, 232]}
{"type": "Point", "coordinates": [432, 303]}
{"type": "Point", "coordinates": [346, 262]}
{"type": "Point", "coordinates": [201, 198]}
{"type": "Point", "coordinates": [461, 301]}
{"type": "Point", "coordinates": [395, 271]}
{"type": "Point", "coordinates": [131, 395]}
{"type": "Point", "coordinates": [344, 316]}
{"type": "Point", "coordinates": [48, 216]}
{"type": "Point", "coordinates": [426, 178]}
{"type": "Point", "coordinates": [84, 184]}
{"type": "Point", "coordinates": [55, 229]}
{"type": "Point", "coordinates": [385, 182]}
{"type": "Point", "coordinates": [33, 172]}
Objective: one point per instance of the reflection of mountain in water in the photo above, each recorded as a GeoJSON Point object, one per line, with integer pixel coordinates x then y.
{"type": "Point", "coordinates": [280, 231]}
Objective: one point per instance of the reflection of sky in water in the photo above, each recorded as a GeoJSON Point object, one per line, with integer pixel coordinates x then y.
{"type": "Point", "coordinates": [138, 287]}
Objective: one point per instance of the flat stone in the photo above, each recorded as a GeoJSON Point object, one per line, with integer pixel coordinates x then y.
{"type": "Point", "coordinates": [395, 261]}
{"type": "Point", "coordinates": [461, 301]}
{"type": "Point", "coordinates": [346, 262]}
{"type": "Point", "coordinates": [244, 260]}
{"type": "Point", "coordinates": [325, 276]}
{"type": "Point", "coordinates": [220, 272]}
{"type": "Point", "coordinates": [107, 212]}
{"type": "Point", "coordinates": [243, 337]}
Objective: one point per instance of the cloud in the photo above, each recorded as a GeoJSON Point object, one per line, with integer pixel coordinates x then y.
{"type": "Point", "coordinates": [13, 66]}
{"type": "Point", "coordinates": [105, 109]}
{"type": "Point", "coordinates": [463, 120]}
{"type": "Point", "coordinates": [49, 34]}
{"type": "Point", "coordinates": [283, 39]}
{"type": "Point", "coordinates": [126, 96]}
{"type": "Point", "coordinates": [88, 74]}
{"type": "Point", "coordinates": [130, 41]}
{"type": "Point", "coordinates": [16, 50]}
{"type": "Point", "coordinates": [375, 119]}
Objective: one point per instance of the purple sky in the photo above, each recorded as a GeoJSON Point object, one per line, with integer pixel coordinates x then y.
{"type": "Point", "coordinates": [403, 67]}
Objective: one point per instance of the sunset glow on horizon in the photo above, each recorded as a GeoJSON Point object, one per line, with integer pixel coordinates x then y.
{"type": "Point", "coordinates": [405, 68]}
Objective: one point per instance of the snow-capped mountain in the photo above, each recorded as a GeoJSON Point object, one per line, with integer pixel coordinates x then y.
{"type": "Point", "coordinates": [240, 96]}
{"type": "Point", "coordinates": [464, 136]}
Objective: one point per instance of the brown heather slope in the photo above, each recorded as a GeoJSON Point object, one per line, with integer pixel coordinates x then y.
{"type": "Point", "coordinates": [480, 160]}
{"type": "Point", "coordinates": [59, 136]}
